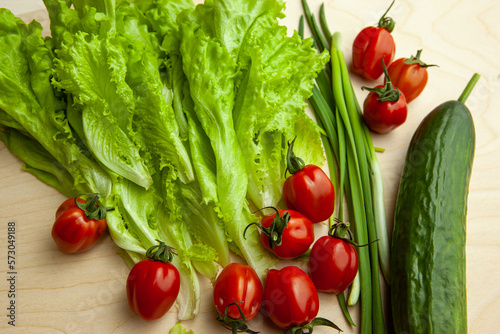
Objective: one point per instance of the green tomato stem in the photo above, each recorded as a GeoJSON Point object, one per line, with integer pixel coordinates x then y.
{"type": "Point", "coordinates": [161, 252]}
{"type": "Point", "coordinates": [294, 164]}
{"type": "Point", "coordinates": [416, 60]}
{"type": "Point", "coordinates": [387, 22]}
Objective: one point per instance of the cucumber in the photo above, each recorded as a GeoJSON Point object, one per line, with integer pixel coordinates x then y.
{"type": "Point", "coordinates": [428, 283]}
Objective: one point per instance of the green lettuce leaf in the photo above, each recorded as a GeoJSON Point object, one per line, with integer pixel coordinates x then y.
{"type": "Point", "coordinates": [29, 98]}
{"type": "Point", "coordinates": [38, 161]}
{"type": "Point", "coordinates": [178, 329]}
{"type": "Point", "coordinates": [92, 71]}
{"type": "Point", "coordinates": [211, 69]}
{"type": "Point", "coordinates": [278, 73]}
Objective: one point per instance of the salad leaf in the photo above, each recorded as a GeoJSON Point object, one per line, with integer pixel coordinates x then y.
{"type": "Point", "coordinates": [270, 105]}
{"type": "Point", "coordinates": [211, 69]}
{"type": "Point", "coordinates": [178, 329]}
{"type": "Point", "coordinates": [38, 161]}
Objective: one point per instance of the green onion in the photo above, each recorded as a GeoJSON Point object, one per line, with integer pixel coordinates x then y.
{"type": "Point", "coordinates": [357, 169]}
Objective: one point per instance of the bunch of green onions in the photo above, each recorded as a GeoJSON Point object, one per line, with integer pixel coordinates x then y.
{"type": "Point", "coordinates": [352, 160]}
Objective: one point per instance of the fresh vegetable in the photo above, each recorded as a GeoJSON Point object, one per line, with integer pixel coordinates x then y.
{"type": "Point", "coordinates": [428, 286]}
{"type": "Point", "coordinates": [291, 300]}
{"type": "Point", "coordinates": [153, 283]}
{"type": "Point", "coordinates": [349, 146]}
{"type": "Point", "coordinates": [308, 190]}
{"type": "Point", "coordinates": [238, 284]}
{"type": "Point", "coordinates": [409, 75]}
{"type": "Point", "coordinates": [333, 262]}
{"type": "Point", "coordinates": [115, 101]}
{"type": "Point", "coordinates": [286, 233]}
{"type": "Point", "coordinates": [79, 224]}
{"type": "Point", "coordinates": [385, 107]}
{"type": "Point", "coordinates": [179, 329]}
{"type": "Point", "coordinates": [372, 46]}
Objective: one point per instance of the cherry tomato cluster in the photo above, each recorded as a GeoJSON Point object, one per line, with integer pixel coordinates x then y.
{"type": "Point", "coordinates": [290, 295]}
{"type": "Point", "coordinates": [153, 283]}
{"type": "Point", "coordinates": [310, 198]}
{"type": "Point", "coordinates": [385, 108]}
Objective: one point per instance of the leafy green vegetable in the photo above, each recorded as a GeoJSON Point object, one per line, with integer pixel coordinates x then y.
{"type": "Point", "coordinates": [178, 329]}
{"type": "Point", "coordinates": [177, 115]}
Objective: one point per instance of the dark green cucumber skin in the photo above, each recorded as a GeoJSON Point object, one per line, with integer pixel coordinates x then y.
{"type": "Point", "coordinates": [428, 276]}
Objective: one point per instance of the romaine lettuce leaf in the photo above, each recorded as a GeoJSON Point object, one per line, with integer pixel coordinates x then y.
{"type": "Point", "coordinates": [212, 70]}
{"type": "Point", "coordinates": [278, 73]}
{"type": "Point", "coordinates": [178, 329]}
{"type": "Point", "coordinates": [93, 71]}
{"type": "Point", "coordinates": [38, 161]}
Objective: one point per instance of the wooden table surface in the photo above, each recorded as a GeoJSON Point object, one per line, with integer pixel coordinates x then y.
{"type": "Point", "coordinates": [85, 293]}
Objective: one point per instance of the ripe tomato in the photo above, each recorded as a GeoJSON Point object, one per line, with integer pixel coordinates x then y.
{"type": "Point", "coordinates": [333, 264]}
{"type": "Point", "coordinates": [238, 283]}
{"type": "Point", "coordinates": [79, 224]}
{"type": "Point", "coordinates": [153, 284]}
{"type": "Point", "coordinates": [308, 190]}
{"type": "Point", "coordinates": [294, 233]}
{"type": "Point", "coordinates": [385, 107]}
{"type": "Point", "coordinates": [409, 75]}
{"type": "Point", "coordinates": [384, 116]}
{"type": "Point", "coordinates": [371, 46]}
{"type": "Point", "coordinates": [290, 298]}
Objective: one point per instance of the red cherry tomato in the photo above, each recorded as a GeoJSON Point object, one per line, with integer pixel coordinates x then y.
{"type": "Point", "coordinates": [296, 237]}
{"type": "Point", "coordinates": [384, 116]}
{"type": "Point", "coordinates": [290, 297]}
{"type": "Point", "coordinates": [385, 106]}
{"type": "Point", "coordinates": [238, 283]}
{"type": "Point", "coordinates": [371, 46]}
{"type": "Point", "coordinates": [409, 75]}
{"type": "Point", "coordinates": [333, 264]}
{"type": "Point", "coordinates": [78, 227]}
{"type": "Point", "coordinates": [153, 285]}
{"type": "Point", "coordinates": [308, 190]}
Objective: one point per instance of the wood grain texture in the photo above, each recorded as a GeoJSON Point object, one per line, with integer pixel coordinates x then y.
{"type": "Point", "coordinates": [57, 293]}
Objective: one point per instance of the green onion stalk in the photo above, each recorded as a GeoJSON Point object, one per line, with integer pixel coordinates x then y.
{"type": "Point", "coordinates": [355, 165]}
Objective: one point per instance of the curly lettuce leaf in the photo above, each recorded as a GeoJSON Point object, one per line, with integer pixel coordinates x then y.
{"type": "Point", "coordinates": [29, 98]}
{"type": "Point", "coordinates": [211, 68]}
{"type": "Point", "coordinates": [38, 161]}
{"type": "Point", "coordinates": [92, 71]}
{"type": "Point", "coordinates": [178, 329]}
{"type": "Point", "coordinates": [278, 75]}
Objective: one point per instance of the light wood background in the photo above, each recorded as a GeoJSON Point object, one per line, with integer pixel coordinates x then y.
{"type": "Point", "coordinates": [85, 293]}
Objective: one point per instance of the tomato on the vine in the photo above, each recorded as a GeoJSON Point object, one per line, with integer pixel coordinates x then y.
{"type": "Point", "coordinates": [286, 233]}
{"type": "Point", "coordinates": [153, 283]}
{"type": "Point", "coordinates": [308, 190]}
{"type": "Point", "coordinates": [409, 75]}
{"type": "Point", "coordinates": [79, 224]}
{"type": "Point", "coordinates": [291, 300]}
{"type": "Point", "coordinates": [385, 107]}
{"type": "Point", "coordinates": [333, 262]}
{"type": "Point", "coordinates": [372, 46]}
{"type": "Point", "coordinates": [238, 283]}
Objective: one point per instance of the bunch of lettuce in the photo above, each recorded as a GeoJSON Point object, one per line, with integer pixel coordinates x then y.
{"type": "Point", "coordinates": [178, 115]}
